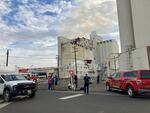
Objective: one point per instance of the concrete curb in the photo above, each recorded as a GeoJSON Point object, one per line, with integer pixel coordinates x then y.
{"type": "Point", "coordinates": [1, 101]}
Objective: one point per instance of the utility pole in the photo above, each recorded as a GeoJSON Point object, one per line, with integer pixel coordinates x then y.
{"type": "Point", "coordinates": [7, 57]}
{"type": "Point", "coordinates": [75, 58]}
{"type": "Point", "coordinates": [115, 63]}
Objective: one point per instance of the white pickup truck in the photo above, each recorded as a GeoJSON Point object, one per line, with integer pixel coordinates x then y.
{"type": "Point", "coordinates": [12, 85]}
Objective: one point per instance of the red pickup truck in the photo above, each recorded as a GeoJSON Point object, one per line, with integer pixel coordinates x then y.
{"type": "Point", "coordinates": [132, 81]}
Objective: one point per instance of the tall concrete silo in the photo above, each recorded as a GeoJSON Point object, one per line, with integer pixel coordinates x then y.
{"type": "Point", "coordinates": [126, 32]}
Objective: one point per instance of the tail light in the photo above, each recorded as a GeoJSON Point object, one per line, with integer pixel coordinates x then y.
{"type": "Point", "coordinates": [139, 82]}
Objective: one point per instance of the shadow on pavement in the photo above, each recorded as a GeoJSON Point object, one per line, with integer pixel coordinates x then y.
{"type": "Point", "coordinates": [139, 96]}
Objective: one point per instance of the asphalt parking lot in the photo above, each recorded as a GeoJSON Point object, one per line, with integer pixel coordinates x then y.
{"type": "Point", "coordinates": [98, 101]}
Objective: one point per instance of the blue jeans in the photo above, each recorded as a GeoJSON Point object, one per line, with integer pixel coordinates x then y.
{"type": "Point", "coordinates": [86, 88]}
{"type": "Point", "coordinates": [49, 87]}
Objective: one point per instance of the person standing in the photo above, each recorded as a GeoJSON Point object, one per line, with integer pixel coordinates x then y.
{"type": "Point", "coordinates": [98, 78]}
{"type": "Point", "coordinates": [56, 80]}
{"type": "Point", "coordinates": [76, 81]}
{"type": "Point", "coordinates": [28, 76]}
{"type": "Point", "coordinates": [86, 84]}
{"type": "Point", "coordinates": [49, 82]}
{"type": "Point", "coordinates": [53, 82]}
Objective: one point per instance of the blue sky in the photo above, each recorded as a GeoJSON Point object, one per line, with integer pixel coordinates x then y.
{"type": "Point", "coordinates": [31, 27]}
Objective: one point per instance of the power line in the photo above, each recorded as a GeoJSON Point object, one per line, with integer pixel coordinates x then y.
{"type": "Point", "coordinates": [21, 57]}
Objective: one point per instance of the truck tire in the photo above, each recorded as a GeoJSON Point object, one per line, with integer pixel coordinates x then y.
{"type": "Point", "coordinates": [7, 95]}
{"type": "Point", "coordinates": [108, 88]}
{"type": "Point", "coordinates": [131, 92]}
{"type": "Point", "coordinates": [32, 94]}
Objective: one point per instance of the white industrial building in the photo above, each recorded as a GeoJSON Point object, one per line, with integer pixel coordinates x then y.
{"type": "Point", "coordinates": [94, 56]}
{"type": "Point", "coordinates": [105, 54]}
{"type": "Point", "coordinates": [134, 28]}
{"type": "Point", "coordinates": [108, 53]}
{"type": "Point", "coordinates": [95, 39]}
{"type": "Point", "coordinates": [66, 54]}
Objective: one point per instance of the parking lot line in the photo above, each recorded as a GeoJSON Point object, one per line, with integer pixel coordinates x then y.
{"type": "Point", "coordinates": [93, 93]}
{"type": "Point", "coordinates": [72, 96]}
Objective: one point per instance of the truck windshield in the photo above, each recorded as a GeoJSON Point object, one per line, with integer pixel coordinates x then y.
{"type": "Point", "coordinates": [13, 77]}
{"type": "Point", "coordinates": [145, 74]}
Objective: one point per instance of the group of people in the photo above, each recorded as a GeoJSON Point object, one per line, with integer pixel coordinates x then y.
{"type": "Point", "coordinates": [73, 84]}
{"type": "Point", "coordinates": [32, 77]}
{"type": "Point", "coordinates": [87, 82]}
{"type": "Point", "coordinates": [52, 81]}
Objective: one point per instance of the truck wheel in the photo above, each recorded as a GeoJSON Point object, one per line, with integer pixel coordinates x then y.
{"type": "Point", "coordinates": [32, 94]}
{"type": "Point", "coordinates": [108, 88]}
{"type": "Point", "coordinates": [131, 92]}
{"type": "Point", "coordinates": [7, 96]}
